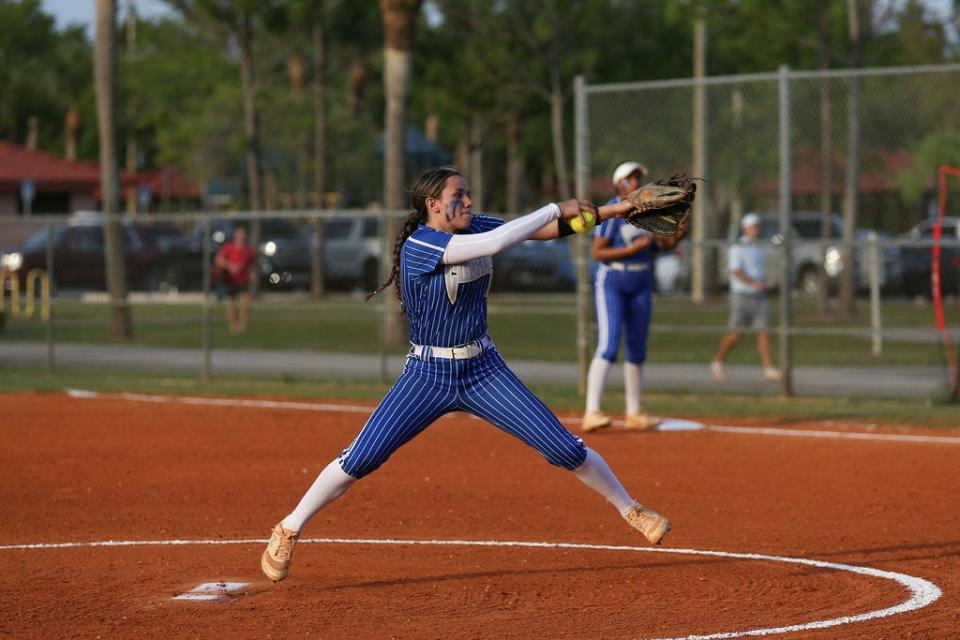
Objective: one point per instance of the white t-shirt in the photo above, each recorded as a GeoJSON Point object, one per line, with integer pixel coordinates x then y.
{"type": "Point", "coordinates": [746, 257]}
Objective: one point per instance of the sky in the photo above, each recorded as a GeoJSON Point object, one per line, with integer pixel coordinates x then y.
{"type": "Point", "coordinates": [67, 12]}
{"type": "Point", "coordinates": [73, 11]}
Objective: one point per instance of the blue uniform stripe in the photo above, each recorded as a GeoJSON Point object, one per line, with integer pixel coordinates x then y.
{"type": "Point", "coordinates": [403, 413]}
{"type": "Point", "coordinates": [506, 403]}
{"type": "Point", "coordinates": [624, 308]}
{"type": "Point", "coordinates": [637, 309]}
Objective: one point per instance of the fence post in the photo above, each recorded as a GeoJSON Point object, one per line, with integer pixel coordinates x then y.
{"type": "Point", "coordinates": [317, 288]}
{"type": "Point", "coordinates": [700, 251]}
{"type": "Point", "coordinates": [873, 260]}
{"type": "Point", "coordinates": [382, 307]}
{"type": "Point", "coordinates": [786, 277]}
{"type": "Point", "coordinates": [205, 340]}
{"type": "Point", "coordinates": [51, 356]}
{"type": "Point", "coordinates": [582, 177]}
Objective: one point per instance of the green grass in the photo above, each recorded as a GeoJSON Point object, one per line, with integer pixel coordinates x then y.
{"type": "Point", "coordinates": [561, 398]}
{"type": "Point", "coordinates": [525, 327]}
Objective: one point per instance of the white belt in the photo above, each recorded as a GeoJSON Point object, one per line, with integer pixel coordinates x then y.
{"type": "Point", "coordinates": [463, 352]}
{"type": "Point", "coordinates": [623, 266]}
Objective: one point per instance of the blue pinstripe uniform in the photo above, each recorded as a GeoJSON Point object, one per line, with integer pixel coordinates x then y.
{"type": "Point", "coordinates": [624, 293]}
{"type": "Point", "coordinates": [446, 306]}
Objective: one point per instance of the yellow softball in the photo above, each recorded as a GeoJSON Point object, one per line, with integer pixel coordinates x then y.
{"type": "Point", "coordinates": [588, 223]}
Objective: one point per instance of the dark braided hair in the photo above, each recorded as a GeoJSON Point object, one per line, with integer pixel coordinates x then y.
{"type": "Point", "coordinates": [430, 184]}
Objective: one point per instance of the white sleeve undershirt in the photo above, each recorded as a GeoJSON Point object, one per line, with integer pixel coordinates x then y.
{"type": "Point", "coordinates": [462, 248]}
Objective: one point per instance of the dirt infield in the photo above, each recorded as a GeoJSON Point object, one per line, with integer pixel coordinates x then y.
{"type": "Point", "coordinates": [83, 470]}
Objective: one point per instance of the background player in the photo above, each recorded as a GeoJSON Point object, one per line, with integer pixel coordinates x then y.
{"type": "Point", "coordinates": [623, 288]}
{"type": "Point", "coordinates": [442, 268]}
{"type": "Point", "coordinates": [749, 307]}
{"type": "Point", "coordinates": [237, 264]}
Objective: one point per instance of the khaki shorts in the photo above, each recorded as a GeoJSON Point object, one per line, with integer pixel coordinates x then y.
{"type": "Point", "coordinates": [749, 312]}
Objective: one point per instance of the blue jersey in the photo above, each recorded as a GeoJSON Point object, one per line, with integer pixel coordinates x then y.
{"type": "Point", "coordinates": [624, 293]}
{"type": "Point", "coordinates": [446, 305]}
{"type": "Point", "coordinates": [622, 234]}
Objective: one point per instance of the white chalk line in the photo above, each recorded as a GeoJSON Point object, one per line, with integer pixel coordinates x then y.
{"type": "Point", "coordinates": [922, 592]}
{"type": "Point", "coordinates": [345, 408]}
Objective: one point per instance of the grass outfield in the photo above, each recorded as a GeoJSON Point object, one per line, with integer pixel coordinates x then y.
{"type": "Point", "coordinates": [532, 327]}
{"type": "Point", "coordinates": [561, 398]}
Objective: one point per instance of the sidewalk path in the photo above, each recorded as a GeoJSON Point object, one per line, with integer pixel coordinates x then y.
{"type": "Point", "coordinates": [906, 381]}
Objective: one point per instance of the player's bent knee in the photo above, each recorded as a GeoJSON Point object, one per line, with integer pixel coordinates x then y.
{"type": "Point", "coordinates": [358, 467]}
{"type": "Point", "coordinates": [608, 355]}
{"type": "Point", "coordinates": [570, 456]}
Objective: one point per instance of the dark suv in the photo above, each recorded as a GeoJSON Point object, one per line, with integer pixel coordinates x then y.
{"type": "Point", "coordinates": [78, 254]}
{"type": "Point", "coordinates": [283, 254]}
{"type": "Point", "coordinates": [918, 259]}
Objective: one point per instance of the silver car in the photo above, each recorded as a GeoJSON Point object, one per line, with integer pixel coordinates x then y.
{"type": "Point", "coordinates": [351, 251]}
{"type": "Point", "coordinates": [809, 253]}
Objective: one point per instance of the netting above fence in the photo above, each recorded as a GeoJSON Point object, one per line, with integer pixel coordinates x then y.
{"type": "Point", "coordinates": [905, 121]}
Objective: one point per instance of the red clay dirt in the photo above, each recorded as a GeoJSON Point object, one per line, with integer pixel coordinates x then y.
{"type": "Point", "coordinates": [81, 470]}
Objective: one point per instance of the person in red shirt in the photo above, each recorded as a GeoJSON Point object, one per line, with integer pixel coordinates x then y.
{"type": "Point", "coordinates": [236, 262]}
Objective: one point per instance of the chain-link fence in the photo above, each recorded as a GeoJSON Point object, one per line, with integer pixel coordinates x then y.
{"type": "Point", "coordinates": [840, 165]}
{"type": "Point", "coordinates": [313, 273]}
{"type": "Point", "coordinates": [775, 144]}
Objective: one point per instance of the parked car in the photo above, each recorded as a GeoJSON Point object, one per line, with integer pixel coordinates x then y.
{"type": "Point", "coordinates": [671, 269]}
{"type": "Point", "coordinates": [917, 261]}
{"type": "Point", "coordinates": [283, 255]}
{"type": "Point", "coordinates": [535, 265]}
{"type": "Point", "coordinates": [351, 251]}
{"type": "Point", "coordinates": [78, 253]}
{"type": "Point", "coordinates": [549, 265]}
{"type": "Point", "coordinates": [808, 254]}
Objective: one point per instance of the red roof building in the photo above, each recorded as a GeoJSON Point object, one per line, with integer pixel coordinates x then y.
{"type": "Point", "coordinates": [59, 185]}
{"type": "Point", "coordinates": [166, 184]}
{"type": "Point", "coordinates": [878, 168]}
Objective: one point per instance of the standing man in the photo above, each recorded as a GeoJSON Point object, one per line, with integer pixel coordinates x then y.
{"type": "Point", "coordinates": [624, 297]}
{"type": "Point", "coordinates": [237, 264]}
{"type": "Point", "coordinates": [749, 307]}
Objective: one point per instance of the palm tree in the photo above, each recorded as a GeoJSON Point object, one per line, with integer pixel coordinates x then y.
{"type": "Point", "coordinates": [399, 18]}
{"type": "Point", "coordinates": [104, 67]}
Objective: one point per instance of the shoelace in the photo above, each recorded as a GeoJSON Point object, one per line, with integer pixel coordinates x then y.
{"type": "Point", "coordinates": [644, 517]}
{"type": "Point", "coordinates": [284, 547]}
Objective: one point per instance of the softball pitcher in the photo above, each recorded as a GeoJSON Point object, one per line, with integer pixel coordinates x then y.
{"type": "Point", "coordinates": [442, 268]}
{"type": "Point", "coordinates": [624, 297]}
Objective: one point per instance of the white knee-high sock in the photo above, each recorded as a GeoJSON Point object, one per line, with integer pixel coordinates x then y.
{"type": "Point", "coordinates": [329, 485]}
{"type": "Point", "coordinates": [633, 385]}
{"type": "Point", "coordinates": [596, 379]}
{"type": "Point", "coordinates": [596, 474]}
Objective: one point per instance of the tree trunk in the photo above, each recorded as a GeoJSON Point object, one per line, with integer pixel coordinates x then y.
{"type": "Point", "coordinates": [514, 164]}
{"type": "Point", "coordinates": [105, 57]}
{"type": "Point", "coordinates": [556, 130]}
{"type": "Point", "coordinates": [399, 19]}
{"type": "Point", "coordinates": [736, 199]}
{"type": "Point", "coordinates": [396, 78]}
{"type": "Point", "coordinates": [475, 177]}
{"type": "Point", "coordinates": [251, 130]}
{"type": "Point", "coordinates": [251, 120]}
{"type": "Point", "coordinates": [33, 132]}
{"type": "Point", "coordinates": [71, 125]}
{"type": "Point", "coordinates": [130, 29]}
{"type": "Point", "coordinates": [461, 154]}
{"type": "Point", "coordinates": [852, 192]}
{"type": "Point", "coordinates": [319, 84]}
